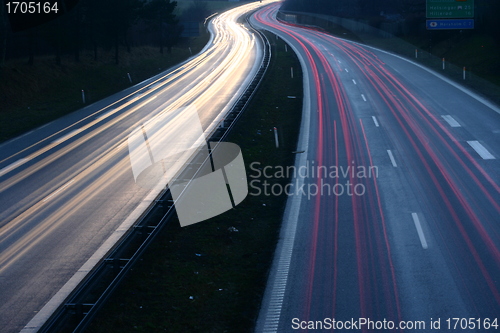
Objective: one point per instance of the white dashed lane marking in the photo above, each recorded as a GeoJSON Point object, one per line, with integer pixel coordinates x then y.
{"type": "Point", "coordinates": [481, 150]}
{"type": "Point", "coordinates": [451, 121]}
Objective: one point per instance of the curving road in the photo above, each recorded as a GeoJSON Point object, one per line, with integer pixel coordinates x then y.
{"type": "Point", "coordinates": [398, 218]}
{"type": "Point", "coordinates": [67, 189]}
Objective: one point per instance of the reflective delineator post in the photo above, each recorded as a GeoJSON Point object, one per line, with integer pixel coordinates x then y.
{"type": "Point", "coordinates": [129, 78]}
{"type": "Point", "coordinates": [276, 137]}
{"type": "Point", "coordinates": [444, 66]}
{"type": "Point", "coordinates": [83, 96]}
{"type": "Point", "coordinates": [291, 72]}
{"type": "Point", "coordinates": [416, 53]}
{"type": "Point", "coordinates": [464, 73]}
{"type": "Point", "coordinates": [286, 48]}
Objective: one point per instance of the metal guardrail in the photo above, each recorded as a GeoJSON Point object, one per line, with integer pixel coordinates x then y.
{"type": "Point", "coordinates": [76, 313]}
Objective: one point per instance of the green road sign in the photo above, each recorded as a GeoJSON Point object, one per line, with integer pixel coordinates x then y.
{"type": "Point", "coordinates": [450, 8]}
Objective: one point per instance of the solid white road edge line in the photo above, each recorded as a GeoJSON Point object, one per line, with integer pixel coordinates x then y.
{"type": "Point", "coordinates": [53, 304]}
{"type": "Point", "coordinates": [272, 303]}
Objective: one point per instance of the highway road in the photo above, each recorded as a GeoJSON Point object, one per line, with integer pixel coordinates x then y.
{"type": "Point", "coordinates": [68, 190]}
{"type": "Point", "coordinates": [396, 224]}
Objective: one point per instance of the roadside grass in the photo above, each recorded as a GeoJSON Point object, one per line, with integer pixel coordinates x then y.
{"type": "Point", "coordinates": [208, 277]}
{"type": "Point", "coordinates": [31, 96]}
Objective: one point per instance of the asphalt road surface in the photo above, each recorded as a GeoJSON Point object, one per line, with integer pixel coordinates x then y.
{"type": "Point", "coordinates": [394, 217]}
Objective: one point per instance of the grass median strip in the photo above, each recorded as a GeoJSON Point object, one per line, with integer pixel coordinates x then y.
{"type": "Point", "coordinates": [210, 277]}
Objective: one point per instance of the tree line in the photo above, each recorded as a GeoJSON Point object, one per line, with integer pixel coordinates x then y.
{"type": "Point", "coordinates": [94, 25]}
